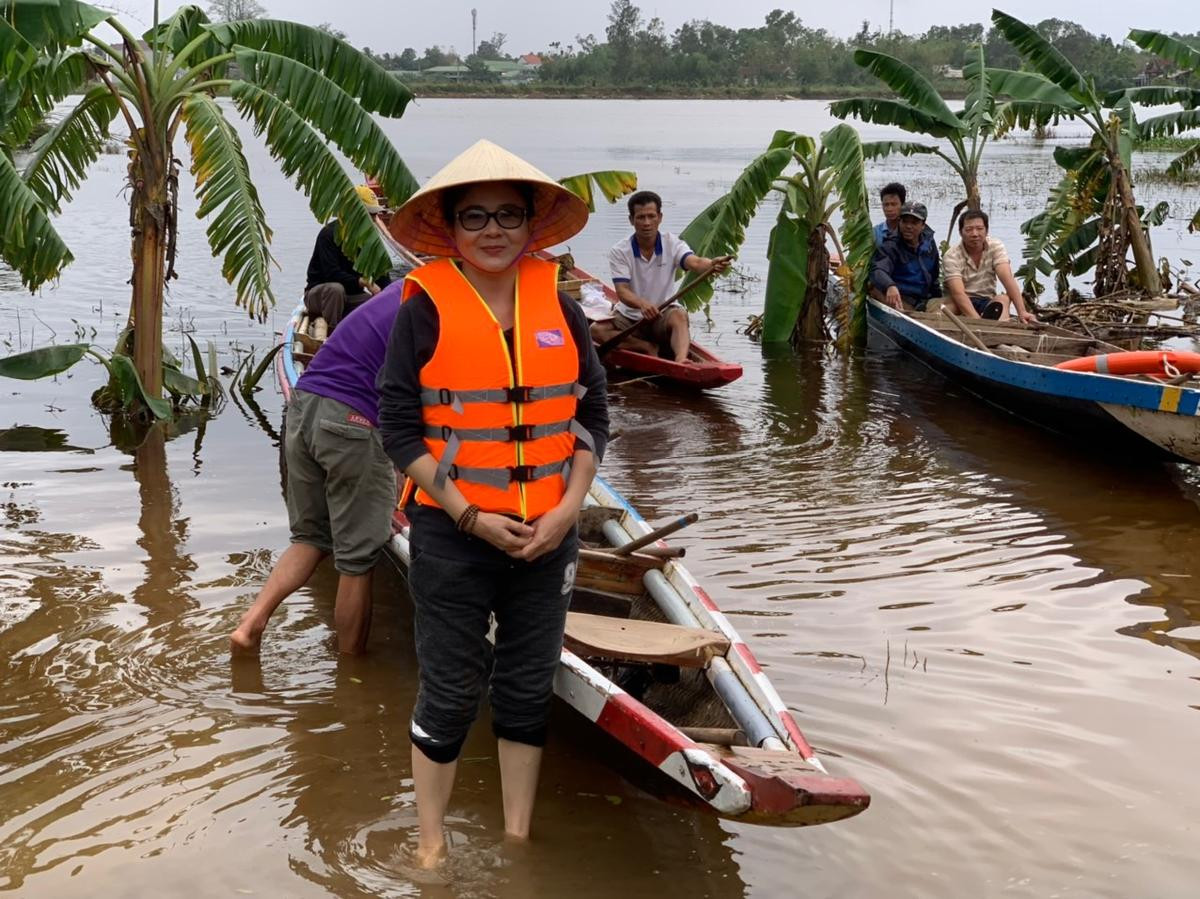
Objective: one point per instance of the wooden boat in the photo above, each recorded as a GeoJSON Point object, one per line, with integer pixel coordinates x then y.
{"type": "Point", "coordinates": [703, 370]}
{"type": "Point", "coordinates": [651, 661]}
{"type": "Point", "coordinates": [1013, 366]}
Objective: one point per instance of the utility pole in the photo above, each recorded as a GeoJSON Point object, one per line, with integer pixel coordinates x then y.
{"type": "Point", "coordinates": [891, 16]}
{"type": "Point", "coordinates": [473, 14]}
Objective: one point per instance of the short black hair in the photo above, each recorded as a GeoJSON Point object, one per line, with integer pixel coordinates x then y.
{"type": "Point", "coordinates": [973, 214]}
{"type": "Point", "coordinates": [643, 197]}
{"type": "Point", "coordinates": [894, 189]}
{"type": "Point", "coordinates": [451, 196]}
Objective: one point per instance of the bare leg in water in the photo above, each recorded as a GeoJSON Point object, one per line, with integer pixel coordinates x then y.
{"type": "Point", "coordinates": [351, 612]}
{"type": "Point", "coordinates": [432, 782]}
{"type": "Point", "coordinates": [290, 573]}
{"type": "Point", "coordinates": [519, 767]}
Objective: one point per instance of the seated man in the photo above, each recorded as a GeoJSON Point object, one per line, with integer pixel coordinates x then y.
{"type": "Point", "coordinates": [643, 271]}
{"type": "Point", "coordinates": [904, 273]}
{"type": "Point", "coordinates": [972, 268]}
{"type": "Point", "coordinates": [334, 289]}
{"type": "Point", "coordinates": [891, 198]}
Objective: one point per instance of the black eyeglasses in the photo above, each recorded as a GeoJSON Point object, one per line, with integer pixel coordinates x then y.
{"type": "Point", "coordinates": [475, 218]}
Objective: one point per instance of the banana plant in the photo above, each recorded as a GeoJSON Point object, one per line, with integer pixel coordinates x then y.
{"type": "Point", "coordinates": [919, 108]}
{"type": "Point", "coordinates": [1049, 88]}
{"type": "Point", "coordinates": [1073, 235]}
{"type": "Point", "coordinates": [1187, 58]}
{"type": "Point", "coordinates": [828, 180]}
{"type": "Point", "coordinates": [306, 93]}
{"type": "Point", "coordinates": [125, 390]}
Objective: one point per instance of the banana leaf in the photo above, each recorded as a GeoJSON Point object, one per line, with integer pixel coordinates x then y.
{"type": "Point", "coordinates": [921, 96]}
{"type": "Point", "coordinates": [1169, 48]}
{"type": "Point", "coordinates": [181, 385]}
{"type": "Point", "coordinates": [42, 362]}
{"type": "Point", "coordinates": [612, 185]}
{"type": "Point", "coordinates": [1046, 61]}
{"type": "Point", "coordinates": [881, 111]}
{"type": "Point", "coordinates": [787, 276]}
{"type": "Point", "coordinates": [130, 387]}
{"type": "Point", "coordinates": [249, 382]}
{"type": "Point", "coordinates": [237, 227]}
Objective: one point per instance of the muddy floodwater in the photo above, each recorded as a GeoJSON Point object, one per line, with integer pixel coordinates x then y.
{"type": "Point", "coordinates": [995, 632]}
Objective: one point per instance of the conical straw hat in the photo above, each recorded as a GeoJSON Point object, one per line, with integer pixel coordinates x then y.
{"type": "Point", "coordinates": [419, 224]}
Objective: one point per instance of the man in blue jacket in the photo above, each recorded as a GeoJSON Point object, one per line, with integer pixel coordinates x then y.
{"type": "Point", "coordinates": [905, 272]}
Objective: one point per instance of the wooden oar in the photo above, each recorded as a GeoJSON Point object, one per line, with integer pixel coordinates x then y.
{"type": "Point", "coordinates": [658, 533]}
{"type": "Point", "coordinates": [967, 332]}
{"type": "Point", "coordinates": [620, 337]}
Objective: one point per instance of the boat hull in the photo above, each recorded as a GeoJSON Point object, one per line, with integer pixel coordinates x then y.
{"type": "Point", "coordinates": [1117, 416]}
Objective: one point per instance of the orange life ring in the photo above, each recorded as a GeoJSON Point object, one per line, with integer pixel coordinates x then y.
{"type": "Point", "coordinates": [1138, 362]}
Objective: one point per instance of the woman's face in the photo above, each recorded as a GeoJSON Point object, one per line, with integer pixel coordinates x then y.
{"type": "Point", "coordinates": [492, 248]}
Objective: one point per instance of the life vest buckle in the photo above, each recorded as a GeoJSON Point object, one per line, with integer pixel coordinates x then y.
{"type": "Point", "coordinates": [520, 394]}
{"type": "Point", "coordinates": [522, 474]}
{"type": "Point", "coordinates": [445, 396]}
{"type": "Point", "coordinates": [520, 432]}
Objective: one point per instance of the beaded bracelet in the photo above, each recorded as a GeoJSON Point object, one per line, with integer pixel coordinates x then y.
{"type": "Point", "coordinates": [466, 521]}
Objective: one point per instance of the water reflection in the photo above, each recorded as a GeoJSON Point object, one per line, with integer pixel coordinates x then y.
{"type": "Point", "coordinates": [1132, 524]}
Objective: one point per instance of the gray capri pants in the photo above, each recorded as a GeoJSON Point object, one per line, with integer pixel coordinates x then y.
{"type": "Point", "coordinates": [341, 485]}
{"type": "Point", "coordinates": [453, 602]}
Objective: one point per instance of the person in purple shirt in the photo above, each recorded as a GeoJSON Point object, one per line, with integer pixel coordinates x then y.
{"type": "Point", "coordinates": [341, 484]}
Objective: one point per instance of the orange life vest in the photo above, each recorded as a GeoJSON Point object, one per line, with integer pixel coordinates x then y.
{"type": "Point", "coordinates": [501, 425]}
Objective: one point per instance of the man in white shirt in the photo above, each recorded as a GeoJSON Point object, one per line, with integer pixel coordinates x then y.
{"type": "Point", "coordinates": [970, 271]}
{"type": "Point", "coordinates": [643, 272]}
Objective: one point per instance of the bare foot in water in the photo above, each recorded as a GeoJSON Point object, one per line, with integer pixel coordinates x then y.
{"type": "Point", "coordinates": [430, 859]}
{"type": "Point", "coordinates": [246, 639]}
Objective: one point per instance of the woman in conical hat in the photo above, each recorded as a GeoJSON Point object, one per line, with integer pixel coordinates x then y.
{"type": "Point", "coordinates": [492, 402]}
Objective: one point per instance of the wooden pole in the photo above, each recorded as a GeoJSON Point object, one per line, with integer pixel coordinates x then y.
{"type": "Point", "coordinates": [971, 335]}
{"type": "Point", "coordinates": [657, 534]}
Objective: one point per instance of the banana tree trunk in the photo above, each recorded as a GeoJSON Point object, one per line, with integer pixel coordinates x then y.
{"type": "Point", "coordinates": [811, 323]}
{"type": "Point", "coordinates": [971, 182]}
{"type": "Point", "coordinates": [148, 218]}
{"type": "Point", "coordinates": [1139, 240]}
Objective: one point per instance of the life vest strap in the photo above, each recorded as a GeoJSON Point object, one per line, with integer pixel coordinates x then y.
{"type": "Point", "coordinates": [502, 477]}
{"type": "Point", "coordinates": [498, 435]}
{"type": "Point", "coordinates": [444, 396]}
{"type": "Point", "coordinates": [496, 477]}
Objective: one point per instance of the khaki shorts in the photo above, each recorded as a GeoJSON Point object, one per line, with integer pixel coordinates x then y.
{"type": "Point", "coordinates": [658, 330]}
{"type": "Point", "coordinates": [341, 485]}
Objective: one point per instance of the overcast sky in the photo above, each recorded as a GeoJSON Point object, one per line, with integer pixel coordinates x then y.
{"type": "Point", "coordinates": [532, 24]}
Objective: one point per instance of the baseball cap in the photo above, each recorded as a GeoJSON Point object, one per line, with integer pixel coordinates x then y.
{"type": "Point", "coordinates": [916, 210]}
{"type": "Point", "coordinates": [369, 199]}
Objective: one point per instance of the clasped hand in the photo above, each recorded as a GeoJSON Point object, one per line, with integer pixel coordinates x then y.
{"type": "Point", "coordinates": [525, 541]}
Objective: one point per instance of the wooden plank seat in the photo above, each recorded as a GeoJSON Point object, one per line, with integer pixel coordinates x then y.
{"type": "Point", "coordinates": [310, 344]}
{"type": "Point", "coordinates": [631, 640]}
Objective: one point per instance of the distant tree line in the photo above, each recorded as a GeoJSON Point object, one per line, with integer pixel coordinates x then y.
{"type": "Point", "coordinates": [782, 52]}
{"type": "Point", "coordinates": [785, 52]}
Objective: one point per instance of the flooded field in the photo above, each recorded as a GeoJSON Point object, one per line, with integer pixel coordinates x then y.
{"type": "Point", "coordinates": [996, 633]}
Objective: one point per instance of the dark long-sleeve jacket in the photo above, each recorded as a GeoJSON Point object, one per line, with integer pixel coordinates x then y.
{"type": "Point", "coordinates": [914, 272]}
{"type": "Point", "coordinates": [413, 340]}
{"type": "Point", "coordinates": [329, 264]}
